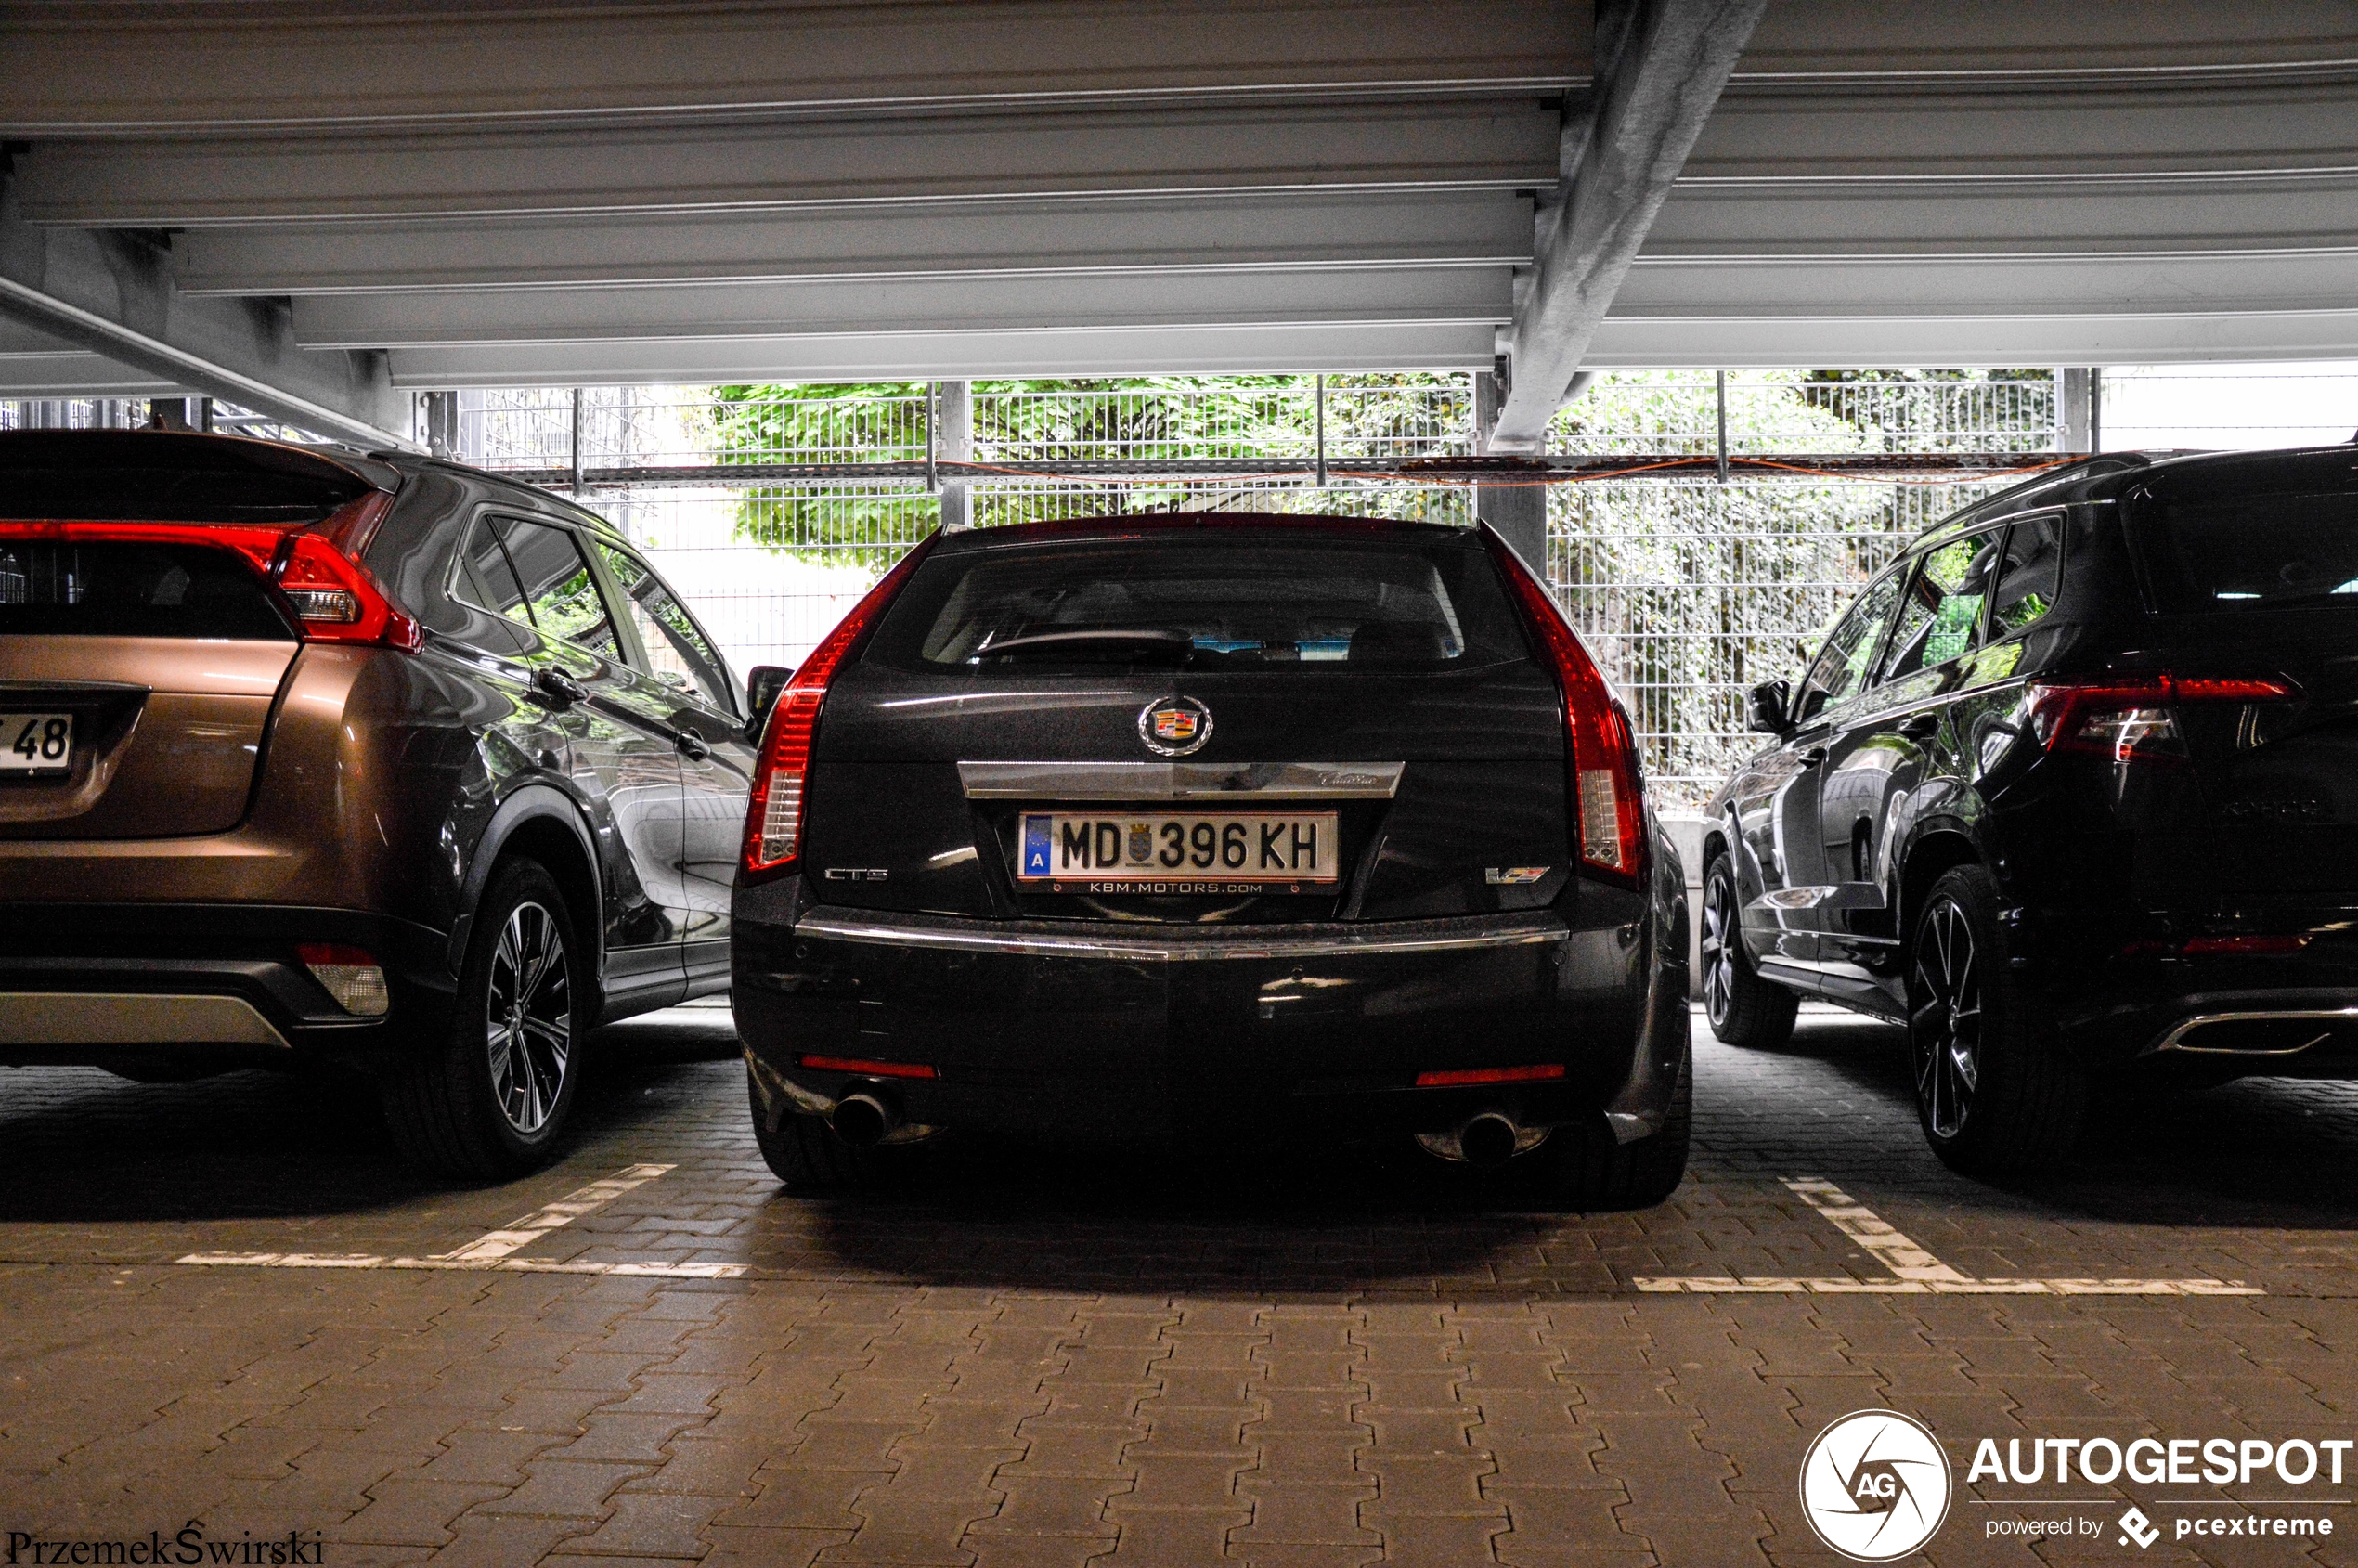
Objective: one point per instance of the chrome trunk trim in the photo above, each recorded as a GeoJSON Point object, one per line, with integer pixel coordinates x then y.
{"type": "Point", "coordinates": [1194, 944]}
{"type": "Point", "coordinates": [1180, 781]}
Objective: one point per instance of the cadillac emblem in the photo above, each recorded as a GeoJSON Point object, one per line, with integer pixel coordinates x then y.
{"type": "Point", "coordinates": [1175, 727]}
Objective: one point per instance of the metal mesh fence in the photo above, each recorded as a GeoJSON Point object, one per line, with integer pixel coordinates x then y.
{"type": "Point", "coordinates": [1687, 591]}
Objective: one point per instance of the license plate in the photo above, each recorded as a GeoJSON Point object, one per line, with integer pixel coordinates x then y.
{"type": "Point", "coordinates": [37, 742]}
{"type": "Point", "coordinates": [1179, 852]}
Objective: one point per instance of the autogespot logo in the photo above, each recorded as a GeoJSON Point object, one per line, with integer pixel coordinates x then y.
{"type": "Point", "coordinates": [1876, 1485]}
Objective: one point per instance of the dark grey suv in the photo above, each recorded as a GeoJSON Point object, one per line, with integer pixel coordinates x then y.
{"type": "Point", "coordinates": [321, 757]}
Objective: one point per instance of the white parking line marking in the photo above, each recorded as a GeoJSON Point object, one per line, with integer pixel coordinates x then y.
{"type": "Point", "coordinates": [450, 1265]}
{"type": "Point", "coordinates": [1894, 1252]}
{"type": "Point", "coordinates": [522, 1233]}
{"type": "Point", "coordinates": [1916, 1272]}
{"type": "Point", "coordinates": [493, 1250]}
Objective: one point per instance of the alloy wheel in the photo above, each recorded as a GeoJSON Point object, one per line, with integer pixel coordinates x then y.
{"type": "Point", "coordinates": [529, 1018]}
{"type": "Point", "coordinates": [1945, 1023]}
{"type": "Point", "coordinates": [1718, 949]}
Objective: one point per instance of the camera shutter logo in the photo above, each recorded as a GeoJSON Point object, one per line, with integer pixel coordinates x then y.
{"type": "Point", "coordinates": [1876, 1485]}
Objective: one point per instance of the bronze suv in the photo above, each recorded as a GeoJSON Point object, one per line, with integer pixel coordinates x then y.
{"type": "Point", "coordinates": [310, 758]}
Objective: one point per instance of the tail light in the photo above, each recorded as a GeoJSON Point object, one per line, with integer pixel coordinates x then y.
{"type": "Point", "coordinates": [2133, 720]}
{"type": "Point", "coordinates": [1607, 785]}
{"type": "Point", "coordinates": [335, 597]}
{"type": "Point", "coordinates": [781, 777]}
{"type": "Point", "coordinates": [351, 975]}
{"type": "Point", "coordinates": [317, 569]}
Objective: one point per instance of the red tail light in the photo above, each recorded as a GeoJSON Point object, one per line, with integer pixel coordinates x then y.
{"type": "Point", "coordinates": [2131, 719]}
{"type": "Point", "coordinates": [334, 597]}
{"type": "Point", "coordinates": [1607, 792]}
{"type": "Point", "coordinates": [781, 778]}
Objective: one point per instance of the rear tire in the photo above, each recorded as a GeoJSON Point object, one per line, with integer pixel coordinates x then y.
{"type": "Point", "coordinates": [804, 1152]}
{"type": "Point", "coordinates": [1995, 1096]}
{"type": "Point", "coordinates": [491, 1098]}
{"type": "Point", "coordinates": [1592, 1170]}
{"type": "Point", "coordinates": [1744, 1010]}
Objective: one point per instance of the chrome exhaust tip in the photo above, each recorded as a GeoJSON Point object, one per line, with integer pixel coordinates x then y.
{"type": "Point", "coordinates": [863, 1120]}
{"type": "Point", "coordinates": [1489, 1139]}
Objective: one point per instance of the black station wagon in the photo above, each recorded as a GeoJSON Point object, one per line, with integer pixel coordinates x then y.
{"type": "Point", "coordinates": [1166, 826]}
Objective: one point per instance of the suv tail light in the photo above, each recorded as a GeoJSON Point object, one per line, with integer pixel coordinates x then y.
{"type": "Point", "coordinates": [2133, 720]}
{"type": "Point", "coordinates": [317, 569]}
{"type": "Point", "coordinates": [781, 776]}
{"type": "Point", "coordinates": [335, 597]}
{"type": "Point", "coordinates": [351, 975]}
{"type": "Point", "coordinates": [1607, 786]}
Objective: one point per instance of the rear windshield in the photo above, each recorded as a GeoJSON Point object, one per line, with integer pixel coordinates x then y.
{"type": "Point", "coordinates": [2251, 551]}
{"type": "Point", "coordinates": [1205, 600]}
{"type": "Point", "coordinates": [127, 589]}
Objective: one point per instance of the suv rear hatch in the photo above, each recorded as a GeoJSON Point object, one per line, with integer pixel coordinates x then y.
{"type": "Point", "coordinates": [154, 592]}
{"type": "Point", "coordinates": [2241, 777]}
{"type": "Point", "coordinates": [1219, 719]}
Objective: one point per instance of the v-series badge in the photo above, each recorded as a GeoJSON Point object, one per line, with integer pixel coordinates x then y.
{"type": "Point", "coordinates": [1513, 876]}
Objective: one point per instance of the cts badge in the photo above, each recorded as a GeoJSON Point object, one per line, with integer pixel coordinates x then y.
{"type": "Point", "coordinates": [1176, 727]}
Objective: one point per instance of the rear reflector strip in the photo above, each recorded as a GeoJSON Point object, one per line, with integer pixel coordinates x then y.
{"type": "Point", "coordinates": [1547, 1072]}
{"type": "Point", "coordinates": [2198, 946]}
{"type": "Point", "coordinates": [866, 1067]}
{"type": "Point", "coordinates": [351, 975]}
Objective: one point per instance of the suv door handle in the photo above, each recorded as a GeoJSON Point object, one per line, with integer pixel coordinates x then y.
{"type": "Point", "coordinates": [554, 688]}
{"type": "Point", "coordinates": [690, 745]}
{"type": "Point", "coordinates": [1920, 726]}
{"type": "Point", "coordinates": [1813, 756]}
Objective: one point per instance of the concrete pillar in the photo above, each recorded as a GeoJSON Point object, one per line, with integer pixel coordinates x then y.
{"type": "Point", "coordinates": [2076, 413]}
{"type": "Point", "coordinates": [440, 415]}
{"type": "Point", "coordinates": [954, 407]}
{"type": "Point", "coordinates": [1518, 508]}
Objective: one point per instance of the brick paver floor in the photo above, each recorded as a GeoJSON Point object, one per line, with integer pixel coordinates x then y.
{"type": "Point", "coordinates": [1027, 1356]}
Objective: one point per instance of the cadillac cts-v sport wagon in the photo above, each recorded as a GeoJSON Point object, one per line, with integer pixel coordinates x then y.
{"type": "Point", "coordinates": [1153, 826]}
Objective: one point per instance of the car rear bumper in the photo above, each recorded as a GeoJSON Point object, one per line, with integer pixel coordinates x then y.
{"type": "Point", "coordinates": [1107, 1030]}
{"type": "Point", "coordinates": [205, 985]}
{"type": "Point", "coordinates": [2136, 986]}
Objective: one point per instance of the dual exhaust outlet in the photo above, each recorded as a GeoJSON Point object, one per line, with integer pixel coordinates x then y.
{"type": "Point", "coordinates": [863, 1118]}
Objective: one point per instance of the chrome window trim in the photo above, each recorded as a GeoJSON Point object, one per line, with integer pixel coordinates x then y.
{"type": "Point", "coordinates": [1180, 781]}
{"type": "Point", "coordinates": [2171, 1042]}
{"type": "Point", "coordinates": [1197, 944]}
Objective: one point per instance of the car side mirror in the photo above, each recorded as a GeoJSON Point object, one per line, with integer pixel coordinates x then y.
{"type": "Point", "coordinates": [1767, 703]}
{"type": "Point", "coordinates": [762, 685]}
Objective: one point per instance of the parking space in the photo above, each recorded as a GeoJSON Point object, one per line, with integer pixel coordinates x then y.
{"type": "Point", "coordinates": [225, 1305]}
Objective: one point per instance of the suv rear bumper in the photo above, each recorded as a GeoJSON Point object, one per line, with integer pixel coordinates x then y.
{"type": "Point", "coordinates": [205, 985]}
{"type": "Point", "coordinates": [1105, 1029]}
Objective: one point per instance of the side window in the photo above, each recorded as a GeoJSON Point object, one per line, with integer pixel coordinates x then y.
{"type": "Point", "coordinates": [1940, 613]}
{"type": "Point", "coordinates": [2029, 575]}
{"type": "Point", "coordinates": [558, 586]}
{"type": "Point", "coordinates": [1841, 670]}
{"type": "Point", "coordinates": [486, 580]}
{"type": "Point", "coordinates": [678, 653]}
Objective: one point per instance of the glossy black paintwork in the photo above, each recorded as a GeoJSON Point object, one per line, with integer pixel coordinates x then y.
{"type": "Point", "coordinates": [1838, 828]}
{"type": "Point", "coordinates": [1115, 1047]}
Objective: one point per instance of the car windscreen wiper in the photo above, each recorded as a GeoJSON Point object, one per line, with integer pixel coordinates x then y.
{"type": "Point", "coordinates": [1139, 644]}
